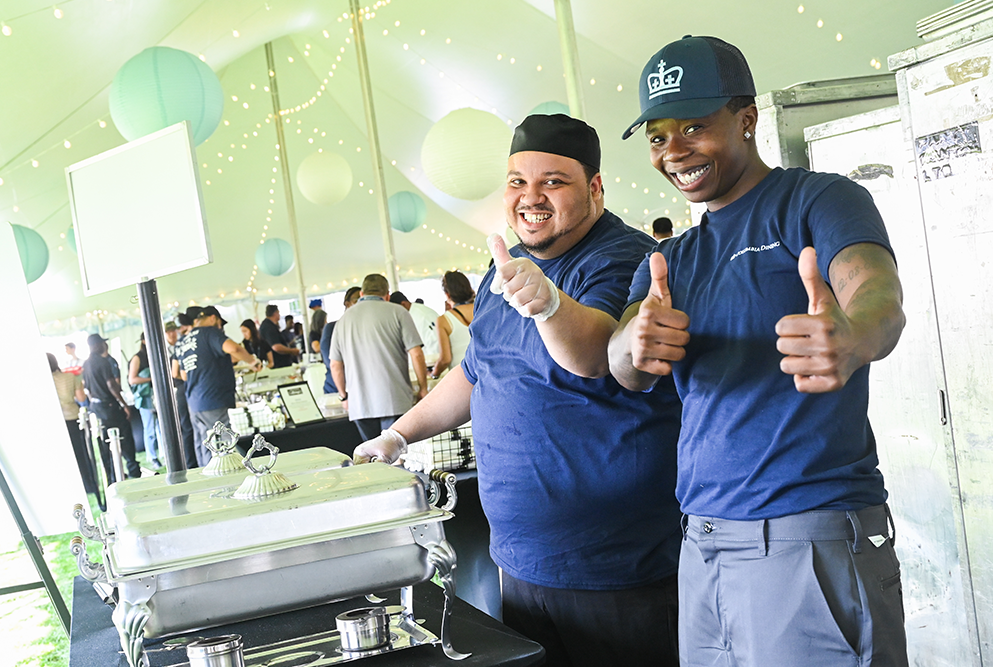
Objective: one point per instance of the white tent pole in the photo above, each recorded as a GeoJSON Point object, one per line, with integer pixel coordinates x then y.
{"type": "Point", "coordinates": [291, 210]}
{"type": "Point", "coordinates": [377, 158]}
{"type": "Point", "coordinates": [570, 58]}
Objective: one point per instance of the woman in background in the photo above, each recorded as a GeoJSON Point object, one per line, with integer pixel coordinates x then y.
{"type": "Point", "coordinates": [254, 343]}
{"type": "Point", "coordinates": [140, 379]}
{"type": "Point", "coordinates": [69, 387]}
{"type": "Point", "coordinates": [453, 326]}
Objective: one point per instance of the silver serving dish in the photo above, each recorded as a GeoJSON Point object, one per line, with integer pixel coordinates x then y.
{"type": "Point", "coordinates": [199, 553]}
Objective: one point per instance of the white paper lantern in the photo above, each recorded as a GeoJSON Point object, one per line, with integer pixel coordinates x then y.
{"type": "Point", "coordinates": [324, 178]}
{"type": "Point", "coordinates": [465, 154]}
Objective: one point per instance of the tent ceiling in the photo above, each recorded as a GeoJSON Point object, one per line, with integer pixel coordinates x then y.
{"type": "Point", "coordinates": [471, 54]}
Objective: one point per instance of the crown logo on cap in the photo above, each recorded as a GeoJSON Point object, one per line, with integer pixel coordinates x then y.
{"type": "Point", "coordinates": [665, 82]}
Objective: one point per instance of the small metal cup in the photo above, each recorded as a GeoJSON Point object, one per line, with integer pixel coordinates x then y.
{"type": "Point", "coordinates": [223, 651]}
{"type": "Point", "coordinates": [363, 629]}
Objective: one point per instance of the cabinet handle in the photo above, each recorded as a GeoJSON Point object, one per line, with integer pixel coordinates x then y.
{"type": "Point", "coordinates": [944, 410]}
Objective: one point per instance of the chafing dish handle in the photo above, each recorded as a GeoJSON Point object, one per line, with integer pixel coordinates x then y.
{"type": "Point", "coordinates": [448, 479]}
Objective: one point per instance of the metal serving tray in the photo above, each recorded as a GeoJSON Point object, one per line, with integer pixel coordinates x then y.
{"type": "Point", "coordinates": [193, 555]}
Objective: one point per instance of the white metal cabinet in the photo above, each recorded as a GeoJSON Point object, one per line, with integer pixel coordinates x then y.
{"type": "Point", "coordinates": [946, 99]}
{"type": "Point", "coordinates": [915, 444]}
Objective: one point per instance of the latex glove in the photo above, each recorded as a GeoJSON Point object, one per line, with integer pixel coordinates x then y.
{"type": "Point", "coordinates": [387, 447]}
{"type": "Point", "coordinates": [523, 285]}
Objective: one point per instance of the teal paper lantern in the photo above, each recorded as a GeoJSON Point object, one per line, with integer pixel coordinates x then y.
{"type": "Point", "coordinates": [274, 257]}
{"type": "Point", "coordinates": [71, 239]}
{"type": "Point", "coordinates": [160, 87]}
{"type": "Point", "coordinates": [33, 251]}
{"type": "Point", "coordinates": [550, 109]}
{"type": "Point", "coordinates": [407, 211]}
{"type": "Point", "coordinates": [465, 154]}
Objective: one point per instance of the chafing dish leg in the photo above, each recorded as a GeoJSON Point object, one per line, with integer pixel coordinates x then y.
{"type": "Point", "coordinates": [86, 529]}
{"type": "Point", "coordinates": [88, 569]}
{"type": "Point", "coordinates": [375, 599]}
{"type": "Point", "coordinates": [442, 556]}
{"type": "Point", "coordinates": [130, 620]}
{"type": "Point", "coordinates": [407, 601]}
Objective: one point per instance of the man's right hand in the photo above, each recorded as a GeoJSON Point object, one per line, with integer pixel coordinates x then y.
{"type": "Point", "coordinates": [127, 411]}
{"type": "Point", "coordinates": [659, 332]}
{"type": "Point", "coordinates": [387, 447]}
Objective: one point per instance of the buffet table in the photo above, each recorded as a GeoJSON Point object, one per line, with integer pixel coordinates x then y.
{"type": "Point", "coordinates": [94, 641]}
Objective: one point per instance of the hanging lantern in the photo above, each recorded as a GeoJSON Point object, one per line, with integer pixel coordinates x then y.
{"type": "Point", "coordinates": [549, 109]}
{"type": "Point", "coordinates": [407, 211]}
{"type": "Point", "coordinates": [71, 238]}
{"type": "Point", "coordinates": [33, 251]}
{"type": "Point", "coordinates": [324, 178]}
{"type": "Point", "coordinates": [465, 154]}
{"type": "Point", "coordinates": [160, 87]}
{"type": "Point", "coordinates": [274, 257]}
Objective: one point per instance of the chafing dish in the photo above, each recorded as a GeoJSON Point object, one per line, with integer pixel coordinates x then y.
{"type": "Point", "coordinates": [205, 552]}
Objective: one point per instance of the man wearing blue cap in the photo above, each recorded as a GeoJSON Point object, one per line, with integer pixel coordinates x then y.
{"type": "Point", "coordinates": [576, 474]}
{"type": "Point", "coordinates": [788, 553]}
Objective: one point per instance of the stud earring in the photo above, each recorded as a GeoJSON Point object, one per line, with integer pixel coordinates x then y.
{"type": "Point", "coordinates": [748, 135]}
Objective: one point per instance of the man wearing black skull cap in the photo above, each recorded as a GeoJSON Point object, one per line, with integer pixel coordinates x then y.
{"type": "Point", "coordinates": [576, 474]}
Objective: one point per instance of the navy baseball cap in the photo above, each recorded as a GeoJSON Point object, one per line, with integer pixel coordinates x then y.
{"type": "Point", "coordinates": [691, 78]}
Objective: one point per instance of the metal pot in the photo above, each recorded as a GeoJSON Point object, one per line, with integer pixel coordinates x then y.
{"type": "Point", "coordinates": [223, 651]}
{"type": "Point", "coordinates": [363, 629]}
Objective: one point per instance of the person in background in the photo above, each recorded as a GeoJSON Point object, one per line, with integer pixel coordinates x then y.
{"type": "Point", "coordinates": [351, 298]}
{"type": "Point", "coordinates": [140, 379]}
{"type": "Point", "coordinates": [205, 356]}
{"type": "Point", "coordinates": [72, 361]}
{"type": "Point", "coordinates": [767, 315]}
{"type": "Point", "coordinates": [254, 344]}
{"type": "Point", "coordinates": [318, 318]}
{"type": "Point", "coordinates": [369, 350]}
{"type": "Point", "coordinates": [289, 332]}
{"type": "Point", "coordinates": [69, 387]}
{"type": "Point", "coordinates": [282, 354]}
{"type": "Point", "coordinates": [425, 320]}
{"type": "Point", "coordinates": [453, 326]}
{"type": "Point", "coordinates": [172, 333]}
{"type": "Point", "coordinates": [185, 323]}
{"type": "Point", "coordinates": [576, 474]}
{"type": "Point", "coordinates": [662, 229]}
{"type": "Point", "coordinates": [102, 382]}
{"type": "Point", "coordinates": [298, 339]}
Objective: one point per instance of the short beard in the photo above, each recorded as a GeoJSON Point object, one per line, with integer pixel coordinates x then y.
{"type": "Point", "coordinates": [540, 247]}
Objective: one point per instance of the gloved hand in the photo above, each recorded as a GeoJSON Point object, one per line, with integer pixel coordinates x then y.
{"type": "Point", "coordinates": [387, 447]}
{"type": "Point", "coordinates": [523, 285]}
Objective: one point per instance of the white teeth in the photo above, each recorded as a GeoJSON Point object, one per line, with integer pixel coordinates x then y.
{"type": "Point", "coordinates": [692, 176]}
{"type": "Point", "coordinates": [535, 218]}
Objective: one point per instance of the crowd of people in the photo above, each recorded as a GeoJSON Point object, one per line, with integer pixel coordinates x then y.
{"type": "Point", "coordinates": [671, 434]}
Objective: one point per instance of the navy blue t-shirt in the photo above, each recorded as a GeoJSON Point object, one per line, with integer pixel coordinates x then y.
{"type": "Point", "coordinates": [209, 373]}
{"type": "Point", "coordinates": [576, 475]}
{"type": "Point", "coordinates": [752, 446]}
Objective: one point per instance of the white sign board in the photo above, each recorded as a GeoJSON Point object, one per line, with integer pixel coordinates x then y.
{"type": "Point", "coordinates": [138, 211]}
{"type": "Point", "coordinates": [35, 451]}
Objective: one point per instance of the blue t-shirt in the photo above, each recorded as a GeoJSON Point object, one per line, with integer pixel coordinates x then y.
{"type": "Point", "coordinates": [209, 373]}
{"type": "Point", "coordinates": [752, 446]}
{"type": "Point", "coordinates": [576, 475]}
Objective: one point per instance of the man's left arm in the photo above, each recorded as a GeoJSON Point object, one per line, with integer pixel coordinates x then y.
{"type": "Point", "coordinates": [575, 335]}
{"type": "Point", "coordinates": [859, 322]}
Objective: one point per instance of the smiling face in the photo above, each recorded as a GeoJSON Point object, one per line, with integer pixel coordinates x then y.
{"type": "Point", "coordinates": [708, 159]}
{"type": "Point", "coordinates": [550, 203]}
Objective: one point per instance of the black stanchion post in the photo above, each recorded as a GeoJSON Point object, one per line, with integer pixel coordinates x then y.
{"type": "Point", "coordinates": [161, 370]}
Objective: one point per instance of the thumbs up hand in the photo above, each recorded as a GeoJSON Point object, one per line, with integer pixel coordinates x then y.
{"type": "Point", "coordinates": [659, 334]}
{"type": "Point", "coordinates": [522, 283]}
{"type": "Point", "coordinates": [820, 347]}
